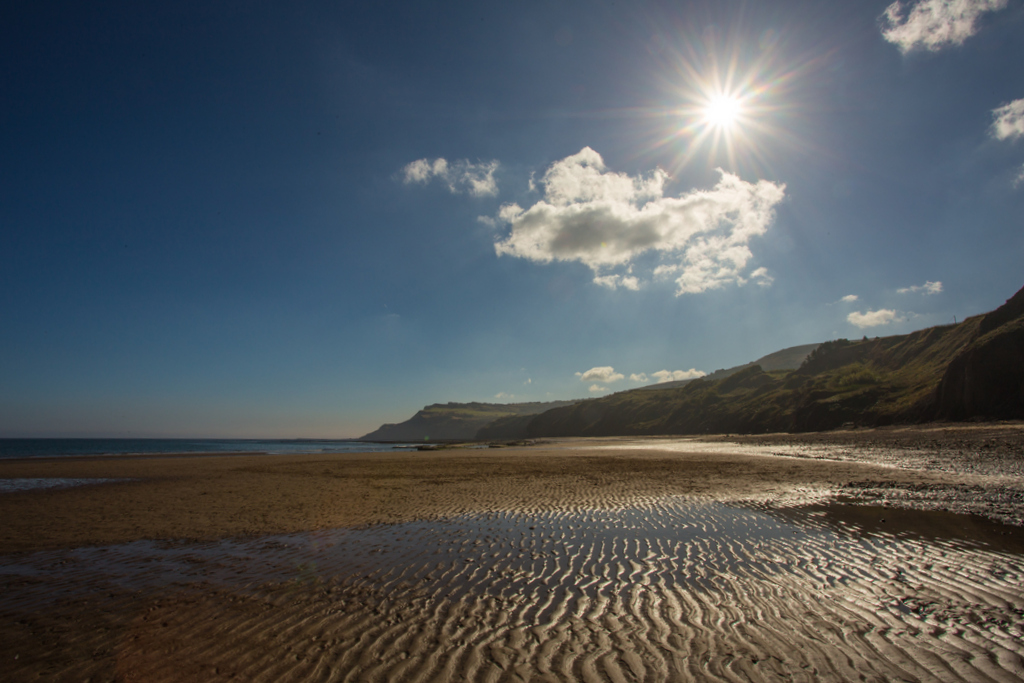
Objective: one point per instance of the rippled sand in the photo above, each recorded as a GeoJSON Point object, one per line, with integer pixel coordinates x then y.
{"type": "Point", "coordinates": [603, 560]}
{"type": "Point", "coordinates": [667, 589]}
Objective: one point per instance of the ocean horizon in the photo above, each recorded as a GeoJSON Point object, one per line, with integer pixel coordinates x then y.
{"type": "Point", "coordinates": [11, 448]}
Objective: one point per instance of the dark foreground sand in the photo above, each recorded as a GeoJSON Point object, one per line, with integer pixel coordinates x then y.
{"type": "Point", "coordinates": [601, 559]}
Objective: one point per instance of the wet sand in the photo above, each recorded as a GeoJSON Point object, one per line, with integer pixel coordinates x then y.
{"type": "Point", "coordinates": [603, 559]}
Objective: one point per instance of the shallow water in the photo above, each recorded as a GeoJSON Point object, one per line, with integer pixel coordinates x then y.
{"type": "Point", "coordinates": [56, 448]}
{"type": "Point", "coordinates": [667, 589]}
{"type": "Point", "coordinates": [935, 526]}
{"type": "Point", "coordinates": [18, 484]}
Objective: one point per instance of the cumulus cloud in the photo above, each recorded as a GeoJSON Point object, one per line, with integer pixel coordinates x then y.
{"type": "Point", "coordinates": [1009, 121]}
{"type": "Point", "coordinates": [606, 220]}
{"type": "Point", "coordinates": [595, 388]}
{"type": "Point", "coordinates": [849, 298]}
{"type": "Point", "coordinates": [460, 176]}
{"type": "Point", "coordinates": [928, 287]}
{"type": "Point", "coordinates": [604, 373]}
{"type": "Point", "coordinates": [676, 375]}
{"type": "Point", "coordinates": [502, 396]}
{"type": "Point", "coordinates": [1019, 180]}
{"type": "Point", "coordinates": [638, 377]}
{"type": "Point", "coordinates": [934, 24]}
{"type": "Point", "coordinates": [882, 316]}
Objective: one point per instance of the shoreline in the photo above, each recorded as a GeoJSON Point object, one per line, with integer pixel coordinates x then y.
{"type": "Point", "coordinates": [213, 496]}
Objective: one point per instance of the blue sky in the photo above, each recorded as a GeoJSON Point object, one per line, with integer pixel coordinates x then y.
{"type": "Point", "coordinates": [257, 219]}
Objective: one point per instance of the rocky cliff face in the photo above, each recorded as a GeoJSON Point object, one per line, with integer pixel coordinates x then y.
{"type": "Point", "coordinates": [454, 421]}
{"type": "Point", "coordinates": [986, 379]}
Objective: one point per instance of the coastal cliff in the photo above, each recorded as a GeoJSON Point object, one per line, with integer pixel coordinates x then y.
{"type": "Point", "coordinates": [455, 421]}
{"type": "Point", "coordinates": [987, 377]}
{"type": "Point", "coordinates": [970, 370]}
{"type": "Point", "coordinates": [973, 370]}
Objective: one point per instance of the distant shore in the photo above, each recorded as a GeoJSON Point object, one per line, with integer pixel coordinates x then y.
{"type": "Point", "coordinates": [974, 468]}
{"type": "Point", "coordinates": [17, 448]}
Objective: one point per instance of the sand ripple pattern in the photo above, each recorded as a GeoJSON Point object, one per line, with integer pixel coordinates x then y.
{"type": "Point", "coordinates": [667, 589]}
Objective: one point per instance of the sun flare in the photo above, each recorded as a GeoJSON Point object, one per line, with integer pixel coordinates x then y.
{"type": "Point", "coordinates": [726, 110]}
{"type": "Point", "coordinates": [722, 111]}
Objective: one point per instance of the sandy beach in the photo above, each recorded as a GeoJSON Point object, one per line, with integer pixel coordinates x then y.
{"type": "Point", "coordinates": [836, 556]}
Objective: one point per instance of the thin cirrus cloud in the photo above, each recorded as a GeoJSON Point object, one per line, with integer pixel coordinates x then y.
{"type": "Point", "coordinates": [606, 220]}
{"type": "Point", "coordinates": [677, 375]}
{"type": "Point", "coordinates": [928, 287]}
{"type": "Point", "coordinates": [934, 24]}
{"type": "Point", "coordinates": [882, 316]}
{"type": "Point", "coordinates": [615, 281]}
{"type": "Point", "coordinates": [460, 176]}
{"type": "Point", "coordinates": [1008, 121]}
{"type": "Point", "coordinates": [605, 373]}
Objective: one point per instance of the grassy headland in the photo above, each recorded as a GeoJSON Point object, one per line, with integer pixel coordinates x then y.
{"type": "Point", "coordinates": [965, 371]}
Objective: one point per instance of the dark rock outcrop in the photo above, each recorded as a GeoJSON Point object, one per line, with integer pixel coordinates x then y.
{"type": "Point", "coordinates": [986, 379]}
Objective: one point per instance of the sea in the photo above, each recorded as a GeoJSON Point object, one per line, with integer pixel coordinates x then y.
{"type": "Point", "coordinates": [58, 448]}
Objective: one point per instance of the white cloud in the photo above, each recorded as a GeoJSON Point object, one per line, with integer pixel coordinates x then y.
{"type": "Point", "coordinates": [606, 220]}
{"type": "Point", "coordinates": [604, 373]}
{"type": "Point", "coordinates": [1009, 121]}
{"type": "Point", "coordinates": [641, 377]}
{"type": "Point", "coordinates": [676, 375]}
{"type": "Point", "coordinates": [502, 396]}
{"type": "Point", "coordinates": [761, 278]}
{"type": "Point", "coordinates": [883, 316]}
{"type": "Point", "coordinates": [614, 281]}
{"type": "Point", "coordinates": [928, 287]}
{"type": "Point", "coordinates": [934, 24]}
{"type": "Point", "coordinates": [849, 298]}
{"type": "Point", "coordinates": [460, 176]}
{"type": "Point", "coordinates": [528, 382]}
{"type": "Point", "coordinates": [1019, 180]}
{"type": "Point", "coordinates": [595, 388]}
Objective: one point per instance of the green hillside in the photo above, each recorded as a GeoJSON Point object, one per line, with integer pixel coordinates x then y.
{"type": "Point", "coordinates": [515, 426]}
{"type": "Point", "coordinates": [970, 370]}
{"type": "Point", "coordinates": [786, 359]}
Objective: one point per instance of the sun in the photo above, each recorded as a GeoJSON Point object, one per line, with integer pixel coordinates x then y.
{"type": "Point", "coordinates": [722, 118]}
{"type": "Point", "coordinates": [727, 107]}
{"type": "Point", "coordinates": [722, 111]}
